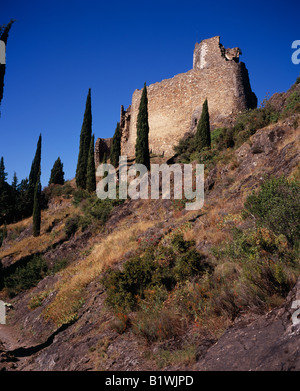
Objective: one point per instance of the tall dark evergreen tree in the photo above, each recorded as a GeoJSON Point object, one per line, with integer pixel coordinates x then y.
{"type": "Point", "coordinates": [36, 215]}
{"type": "Point", "coordinates": [91, 172]}
{"type": "Point", "coordinates": [14, 197]}
{"type": "Point", "coordinates": [24, 206]}
{"type": "Point", "coordinates": [203, 139]}
{"type": "Point", "coordinates": [84, 146]}
{"type": "Point", "coordinates": [6, 206]}
{"type": "Point", "coordinates": [115, 151]}
{"type": "Point", "coordinates": [142, 155]}
{"type": "Point", "coordinates": [4, 30]}
{"type": "Point", "coordinates": [14, 183]}
{"type": "Point", "coordinates": [3, 174]}
{"type": "Point", "coordinates": [34, 171]}
{"type": "Point", "coordinates": [57, 173]}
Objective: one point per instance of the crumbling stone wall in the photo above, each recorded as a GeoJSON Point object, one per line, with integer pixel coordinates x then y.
{"type": "Point", "coordinates": [175, 104]}
{"type": "Point", "coordinates": [102, 149]}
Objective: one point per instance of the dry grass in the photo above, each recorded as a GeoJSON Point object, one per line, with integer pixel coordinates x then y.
{"type": "Point", "coordinates": [76, 277]}
{"type": "Point", "coordinates": [30, 245]}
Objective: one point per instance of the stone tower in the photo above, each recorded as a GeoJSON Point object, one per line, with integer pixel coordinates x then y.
{"type": "Point", "coordinates": [174, 105]}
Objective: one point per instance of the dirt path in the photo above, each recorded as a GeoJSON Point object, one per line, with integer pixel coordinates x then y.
{"type": "Point", "coordinates": [9, 342]}
{"type": "Point", "coordinates": [8, 337]}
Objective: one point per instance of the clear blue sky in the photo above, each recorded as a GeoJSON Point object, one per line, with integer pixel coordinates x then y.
{"type": "Point", "coordinates": [58, 49]}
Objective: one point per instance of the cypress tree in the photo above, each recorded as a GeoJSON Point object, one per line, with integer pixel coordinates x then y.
{"type": "Point", "coordinates": [14, 197]}
{"type": "Point", "coordinates": [91, 172]}
{"type": "Point", "coordinates": [203, 139]}
{"type": "Point", "coordinates": [84, 146]}
{"type": "Point", "coordinates": [34, 172]}
{"type": "Point", "coordinates": [3, 174]}
{"type": "Point", "coordinates": [115, 151]}
{"type": "Point", "coordinates": [57, 173]}
{"type": "Point", "coordinates": [36, 215]}
{"type": "Point", "coordinates": [23, 207]}
{"type": "Point", "coordinates": [142, 155]}
{"type": "Point", "coordinates": [14, 183]}
{"type": "Point", "coordinates": [6, 205]}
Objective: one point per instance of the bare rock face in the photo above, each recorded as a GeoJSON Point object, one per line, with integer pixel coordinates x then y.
{"type": "Point", "coordinates": [278, 100]}
{"type": "Point", "coordinates": [273, 150]}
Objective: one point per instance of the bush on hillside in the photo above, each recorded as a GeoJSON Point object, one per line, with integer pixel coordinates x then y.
{"type": "Point", "coordinates": [276, 206]}
{"type": "Point", "coordinates": [159, 269]}
{"type": "Point", "coordinates": [27, 276]}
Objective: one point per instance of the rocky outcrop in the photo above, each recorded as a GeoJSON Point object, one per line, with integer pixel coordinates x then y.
{"type": "Point", "coordinates": [267, 343]}
{"type": "Point", "coordinates": [272, 150]}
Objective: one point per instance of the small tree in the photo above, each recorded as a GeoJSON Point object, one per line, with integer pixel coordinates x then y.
{"type": "Point", "coordinates": [36, 215]}
{"type": "Point", "coordinates": [142, 155]}
{"type": "Point", "coordinates": [115, 151]}
{"type": "Point", "coordinates": [203, 139]}
{"type": "Point", "coordinates": [57, 173]}
{"type": "Point", "coordinates": [6, 205]}
{"type": "Point", "coordinates": [91, 172]}
{"type": "Point", "coordinates": [35, 172]}
{"type": "Point", "coordinates": [85, 140]}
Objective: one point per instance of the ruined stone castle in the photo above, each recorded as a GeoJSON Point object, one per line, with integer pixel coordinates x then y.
{"type": "Point", "coordinates": [175, 105]}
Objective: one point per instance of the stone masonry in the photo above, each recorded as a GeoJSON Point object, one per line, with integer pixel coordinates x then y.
{"type": "Point", "coordinates": [102, 150]}
{"type": "Point", "coordinates": [175, 105]}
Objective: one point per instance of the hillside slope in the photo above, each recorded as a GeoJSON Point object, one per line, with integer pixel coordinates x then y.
{"type": "Point", "coordinates": [65, 321]}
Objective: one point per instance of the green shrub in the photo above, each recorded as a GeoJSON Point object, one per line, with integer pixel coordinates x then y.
{"type": "Point", "coordinates": [127, 286]}
{"type": "Point", "coordinates": [55, 190]}
{"type": "Point", "coordinates": [186, 146]}
{"type": "Point", "coordinates": [72, 225]}
{"type": "Point", "coordinates": [159, 270]}
{"type": "Point", "coordinates": [84, 222]}
{"type": "Point", "coordinates": [94, 210]}
{"type": "Point", "coordinates": [25, 277]}
{"type": "Point", "coordinates": [222, 138]}
{"type": "Point", "coordinates": [98, 209]}
{"type": "Point", "coordinates": [80, 195]}
{"type": "Point", "coordinates": [58, 266]}
{"type": "Point", "coordinates": [257, 118]}
{"type": "Point", "coordinates": [292, 104]}
{"type": "Point", "coordinates": [276, 206]}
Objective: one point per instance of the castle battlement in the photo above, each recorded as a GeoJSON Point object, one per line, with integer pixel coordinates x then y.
{"type": "Point", "coordinates": [211, 53]}
{"type": "Point", "coordinates": [175, 105]}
